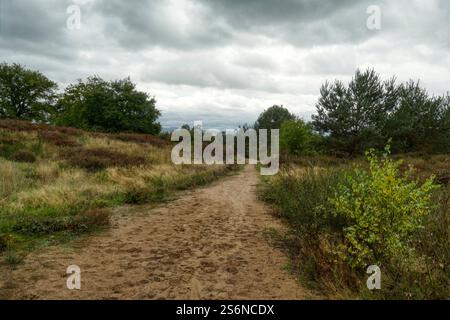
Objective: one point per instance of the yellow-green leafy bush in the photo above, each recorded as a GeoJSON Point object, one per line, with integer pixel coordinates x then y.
{"type": "Point", "coordinates": [383, 209]}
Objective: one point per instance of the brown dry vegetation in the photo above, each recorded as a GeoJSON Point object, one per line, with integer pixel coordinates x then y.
{"type": "Point", "coordinates": [56, 182]}
{"type": "Point", "coordinates": [300, 194]}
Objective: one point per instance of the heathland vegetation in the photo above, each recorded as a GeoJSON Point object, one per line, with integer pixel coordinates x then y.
{"type": "Point", "coordinates": [57, 182]}
{"type": "Point", "coordinates": [366, 182]}
{"type": "Point", "coordinates": [67, 158]}
{"type": "Point", "coordinates": [350, 206]}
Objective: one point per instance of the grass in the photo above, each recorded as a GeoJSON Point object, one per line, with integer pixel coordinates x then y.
{"type": "Point", "coordinates": [316, 238]}
{"type": "Point", "coordinates": [76, 176]}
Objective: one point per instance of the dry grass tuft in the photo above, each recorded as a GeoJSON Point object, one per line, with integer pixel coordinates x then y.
{"type": "Point", "coordinates": [91, 219]}
{"type": "Point", "coordinates": [47, 171]}
{"type": "Point", "coordinates": [72, 188]}
{"type": "Point", "coordinates": [12, 178]}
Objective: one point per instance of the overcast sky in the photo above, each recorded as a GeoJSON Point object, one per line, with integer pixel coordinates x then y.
{"type": "Point", "coordinates": [225, 61]}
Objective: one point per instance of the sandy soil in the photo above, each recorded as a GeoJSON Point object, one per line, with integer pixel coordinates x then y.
{"type": "Point", "coordinates": [207, 244]}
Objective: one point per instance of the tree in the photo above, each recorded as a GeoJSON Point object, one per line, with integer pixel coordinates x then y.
{"type": "Point", "coordinates": [296, 137]}
{"type": "Point", "coordinates": [352, 118]}
{"type": "Point", "coordinates": [444, 121]}
{"type": "Point", "coordinates": [108, 106]}
{"type": "Point", "coordinates": [273, 117]}
{"type": "Point", "coordinates": [186, 127]}
{"type": "Point", "coordinates": [419, 122]}
{"type": "Point", "coordinates": [25, 94]}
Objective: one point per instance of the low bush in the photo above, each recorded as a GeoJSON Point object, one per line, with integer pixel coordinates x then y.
{"type": "Point", "coordinates": [55, 197]}
{"type": "Point", "coordinates": [288, 160]}
{"type": "Point", "coordinates": [18, 125]}
{"type": "Point", "coordinates": [24, 156]}
{"type": "Point", "coordinates": [308, 211]}
{"type": "Point", "coordinates": [343, 220]}
{"type": "Point", "coordinates": [94, 159]}
{"type": "Point", "coordinates": [297, 138]}
{"type": "Point", "coordinates": [382, 210]}
{"type": "Point", "coordinates": [145, 195]}
{"type": "Point", "coordinates": [7, 140]}
{"type": "Point", "coordinates": [58, 139]}
{"type": "Point", "coordinates": [27, 126]}
{"type": "Point", "coordinates": [47, 224]}
{"type": "Point", "coordinates": [140, 138]}
{"type": "Point", "coordinates": [9, 146]}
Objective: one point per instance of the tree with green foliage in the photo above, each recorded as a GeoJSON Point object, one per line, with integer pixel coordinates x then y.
{"type": "Point", "coordinates": [296, 137]}
{"type": "Point", "coordinates": [419, 122]}
{"type": "Point", "coordinates": [352, 118]}
{"type": "Point", "coordinates": [25, 94]}
{"type": "Point", "coordinates": [99, 105]}
{"type": "Point", "coordinates": [273, 117]}
{"type": "Point", "coordinates": [444, 120]}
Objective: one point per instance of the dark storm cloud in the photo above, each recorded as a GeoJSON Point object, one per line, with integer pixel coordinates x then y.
{"type": "Point", "coordinates": [210, 23]}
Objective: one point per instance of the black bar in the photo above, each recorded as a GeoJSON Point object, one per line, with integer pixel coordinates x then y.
{"type": "Point", "coordinates": [250, 309]}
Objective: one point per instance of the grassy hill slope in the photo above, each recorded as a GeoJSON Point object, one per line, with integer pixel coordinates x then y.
{"type": "Point", "coordinates": [57, 182]}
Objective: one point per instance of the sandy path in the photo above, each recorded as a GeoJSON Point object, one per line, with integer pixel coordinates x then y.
{"type": "Point", "coordinates": [208, 244]}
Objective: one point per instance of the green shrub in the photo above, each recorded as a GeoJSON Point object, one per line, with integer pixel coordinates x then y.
{"type": "Point", "coordinates": [304, 200]}
{"type": "Point", "coordinates": [342, 220]}
{"type": "Point", "coordinates": [296, 137]}
{"type": "Point", "coordinates": [383, 209]}
{"type": "Point", "coordinates": [40, 225]}
{"type": "Point", "coordinates": [49, 222]}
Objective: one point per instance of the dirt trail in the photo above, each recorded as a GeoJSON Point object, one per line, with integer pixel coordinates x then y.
{"type": "Point", "coordinates": [208, 244]}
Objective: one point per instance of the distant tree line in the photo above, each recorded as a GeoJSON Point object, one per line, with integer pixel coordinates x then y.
{"type": "Point", "coordinates": [93, 104]}
{"type": "Point", "coordinates": [366, 113]}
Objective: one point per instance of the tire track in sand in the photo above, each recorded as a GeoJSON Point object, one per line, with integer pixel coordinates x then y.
{"type": "Point", "coordinates": [207, 244]}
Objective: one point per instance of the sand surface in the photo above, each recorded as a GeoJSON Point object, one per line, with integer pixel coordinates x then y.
{"type": "Point", "coordinates": [210, 243]}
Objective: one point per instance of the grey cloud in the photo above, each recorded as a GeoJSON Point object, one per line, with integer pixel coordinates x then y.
{"type": "Point", "coordinates": [205, 70]}
{"type": "Point", "coordinates": [143, 24]}
{"type": "Point", "coordinates": [299, 22]}
{"type": "Point", "coordinates": [418, 22]}
{"type": "Point", "coordinates": [257, 61]}
{"type": "Point", "coordinates": [257, 51]}
{"type": "Point", "coordinates": [35, 26]}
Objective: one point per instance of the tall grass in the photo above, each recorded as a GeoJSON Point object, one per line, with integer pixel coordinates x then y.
{"type": "Point", "coordinates": [77, 176]}
{"type": "Point", "coordinates": [13, 178]}
{"type": "Point", "coordinates": [318, 236]}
